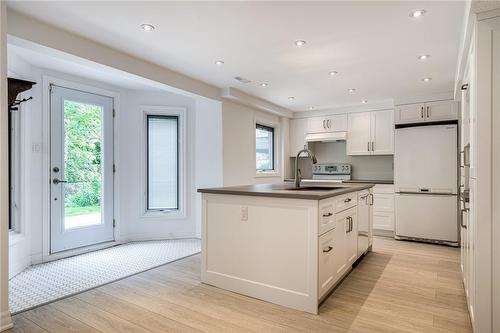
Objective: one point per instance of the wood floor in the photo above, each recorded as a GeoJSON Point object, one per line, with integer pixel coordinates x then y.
{"type": "Point", "coordinates": [399, 287]}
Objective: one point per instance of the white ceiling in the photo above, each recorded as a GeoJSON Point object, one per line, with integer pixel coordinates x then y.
{"type": "Point", "coordinates": [373, 45]}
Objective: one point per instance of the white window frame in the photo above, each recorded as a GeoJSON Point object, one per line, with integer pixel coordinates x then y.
{"type": "Point", "coordinates": [277, 148]}
{"type": "Point", "coordinates": [180, 113]}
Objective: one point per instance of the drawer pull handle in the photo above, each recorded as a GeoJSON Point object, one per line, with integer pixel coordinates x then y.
{"type": "Point", "coordinates": [327, 215]}
{"type": "Point", "coordinates": [328, 249]}
{"type": "Point", "coordinates": [347, 200]}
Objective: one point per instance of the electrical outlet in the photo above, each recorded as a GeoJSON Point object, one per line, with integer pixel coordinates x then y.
{"type": "Point", "coordinates": [244, 213]}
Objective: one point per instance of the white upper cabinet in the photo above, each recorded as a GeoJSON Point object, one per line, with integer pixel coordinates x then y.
{"type": "Point", "coordinates": [358, 133]}
{"type": "Point", "coordinates": [422, 112]}
{"type": "Point", "coordinates": [443, 110]}
{"type": "Point", "coordinates": [410, 113]}
{"type": "Point", "coordinates": [333, 123]}
{"type": "Point", "coordinates": [382, 132]}
{"type": "Point", "coordinates": [298, 131]}
{"type": "Point", "coordinates": [371, 133]}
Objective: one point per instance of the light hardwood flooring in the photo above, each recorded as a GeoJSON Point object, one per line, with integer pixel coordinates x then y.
{"type": "Point", "coordinates": [399, 287]}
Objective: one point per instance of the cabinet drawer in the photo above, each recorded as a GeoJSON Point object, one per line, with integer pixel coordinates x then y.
{"type": "Point", "coordinates": [326, 217]}
{"type": "Point", "coordinates": [383, 203]}
{"type": "Point", "coordinates": [346, 201]}
{"type": "Point", "coordinates": [327, 250]}
{"type": "Point", "coordinates": [383, 221]}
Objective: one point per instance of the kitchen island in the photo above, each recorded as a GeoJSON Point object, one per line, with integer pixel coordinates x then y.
{"type": "Point", "coordinates": [286, 245]}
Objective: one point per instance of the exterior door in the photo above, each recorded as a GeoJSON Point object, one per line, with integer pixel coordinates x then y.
{"type": "Point", "coordinates": [81, 169]}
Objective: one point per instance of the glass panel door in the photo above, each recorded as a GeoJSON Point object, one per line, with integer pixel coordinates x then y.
{"type": "Point", "coordinates": [81, 169]}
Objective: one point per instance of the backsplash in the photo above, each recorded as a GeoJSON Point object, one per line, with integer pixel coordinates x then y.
{"type": "Point", "coordinates": [363, 167]}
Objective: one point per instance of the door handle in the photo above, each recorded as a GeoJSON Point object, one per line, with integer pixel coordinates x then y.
{"type": "Point", "coordinates": [351, 223]}
{"type": "Point", "coordinates": [373, 145]}
{"type": "Point", "coordinates": [428, 112]}
{"type": "Point", "coordinates": [462, 211]}
{"type": "Point", "coordinates": [328, 249]}
{"type": "Point", "coordinates": [329, 123]}
{"type": "Point", "coordinates": [57, 181]}
{"type": "Point", "coordinates": [372, 200]}
{"type": "Point", "coordinates": [347, 226]}
{"type": "Point", "coordinates": [324, 124]}
{"type": "Point", "coordinates": [368, 146]}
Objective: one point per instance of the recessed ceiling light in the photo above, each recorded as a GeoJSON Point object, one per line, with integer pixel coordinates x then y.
{"type": "Point", "coordinates": [219, 62]}
{"type": "Point", "coordinates": [147, 27]}
{"type": "Point", "coordinates": [424, 56]}
{"type": "Point", "coordinates": [291, 98]}
{"type": "Point", "coordinates": [364, 101]}
{"type": "Point", "coordinates": [426, 79]}
{"type": "Point", "coordinates": [351, 90]}
{"type": "Point", "coordinates": [417, 13]}
{"type": "Point", "coordinates": [333, 73]}
{"type": "Point", "coordinates": [263, 84]}
{"type": "Point", "coordinates": [311, 108]}
{"type": "Point", "coordinates": [300, 43]}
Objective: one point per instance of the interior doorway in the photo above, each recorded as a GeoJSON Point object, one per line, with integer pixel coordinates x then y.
{"type": "Point", "coordinates": [81, 169]}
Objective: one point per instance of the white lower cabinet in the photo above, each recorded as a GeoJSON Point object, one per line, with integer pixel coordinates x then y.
{"type": "Point", "coordinates": [383, 207]}
{"type": "Point", "coordinates": [338, 247]}
{"type": "Point", "coordinates": [326, 256]}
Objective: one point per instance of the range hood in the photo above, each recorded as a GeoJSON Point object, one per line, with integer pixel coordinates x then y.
{"type": "Point", "coordinates": [326, 137]}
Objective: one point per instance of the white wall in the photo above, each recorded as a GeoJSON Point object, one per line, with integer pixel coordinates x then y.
{"type": "Point", "coordinates": [238, 126]}
{"type": "Point", "coordinates": [5, 321]}
{"type": "Point", "coordinates": [203, 163]}
{"type": "Point", "coordinates": [19, 244]}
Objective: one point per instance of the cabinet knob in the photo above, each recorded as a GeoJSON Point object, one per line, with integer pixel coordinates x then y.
{"type": "Point", "coordinates": [347, 200]}
{"type": "Point", "coordinates": [327, 215]}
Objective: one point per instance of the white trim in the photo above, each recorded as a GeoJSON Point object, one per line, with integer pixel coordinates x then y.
{"type": "Point", "coordinates": [48, 80]}
{"type": "Point", "coordinates": [181, 113]}
{"type": "Point", "coordinates": [276, 172]}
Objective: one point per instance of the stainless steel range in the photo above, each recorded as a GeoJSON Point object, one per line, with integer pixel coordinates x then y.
{"type": "Point", "coordinates": [332, 171]}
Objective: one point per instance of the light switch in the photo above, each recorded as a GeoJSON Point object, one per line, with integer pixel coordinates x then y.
{"type": "Point", "coordinates": [244, 213]}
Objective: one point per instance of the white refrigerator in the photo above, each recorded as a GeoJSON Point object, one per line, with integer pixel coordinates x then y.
{"type": "Point", "coordinates": [425, 180]}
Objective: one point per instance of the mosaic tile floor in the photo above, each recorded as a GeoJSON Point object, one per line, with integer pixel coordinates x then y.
{"type": "Point", "coordinates": [47, 282]}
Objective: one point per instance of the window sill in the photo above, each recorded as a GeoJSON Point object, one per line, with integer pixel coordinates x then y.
{"type": "Point", "coordinates": [166, 214]}
{"type": "Point", "coordinates": [267, 174]}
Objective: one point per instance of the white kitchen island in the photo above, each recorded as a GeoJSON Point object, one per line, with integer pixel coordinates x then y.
{"type": "Point", "coordinates": [279, 244]}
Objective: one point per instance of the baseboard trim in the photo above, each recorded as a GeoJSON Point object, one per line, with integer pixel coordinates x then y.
{"type": "Point", "coordinates": [5, 321]}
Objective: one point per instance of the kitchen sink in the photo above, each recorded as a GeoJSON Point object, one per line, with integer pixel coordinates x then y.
{"type": "Point", "coordinates": [314, 188]}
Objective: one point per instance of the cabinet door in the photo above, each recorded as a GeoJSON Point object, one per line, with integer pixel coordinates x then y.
{"type": "Point", "coordinates": [317, 125]}
{"type": "Point", "coordinates": [383, 211]}
{"type": "Point", "coordinates": [382, 132]}
{"type": "Point", "coordinates": [351, 244]}
{"type": "Point", "coordinates": [443, 110]}
{"type": "Point", "coordinates": [410, 113]}
{"type": "Point", "coordinates": [358, 133]}
{"type": "Point", "coordinates": [336, 123]}
{"type": "Point", "coordinates": [339, 259]}
{"type": "Point", "coordinates": [298, 131]}
{"type": "Point", "coordinates": [327, 249]}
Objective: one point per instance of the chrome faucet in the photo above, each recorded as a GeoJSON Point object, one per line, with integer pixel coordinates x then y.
{"type": "Point", "coordinates": [297, 171]}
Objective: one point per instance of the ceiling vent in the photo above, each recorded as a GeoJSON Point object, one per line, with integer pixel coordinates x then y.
{"type": "Point", "coordinates": [242, 79]}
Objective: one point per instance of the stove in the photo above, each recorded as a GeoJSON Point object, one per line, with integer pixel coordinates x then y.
{"type": "Point", "coordinates": [331, 171]}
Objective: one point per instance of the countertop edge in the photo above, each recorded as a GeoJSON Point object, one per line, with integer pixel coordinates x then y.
{"type": "Point", "coordinates": [229, 191]}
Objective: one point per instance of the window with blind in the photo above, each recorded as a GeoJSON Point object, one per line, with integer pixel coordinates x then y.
{"type": "Point", "coordinates": [264, 148]}
{"type": "Point", "coordinates": [162, 162]}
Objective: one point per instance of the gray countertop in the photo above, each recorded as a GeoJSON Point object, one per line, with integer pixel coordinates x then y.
{"type": "Point", "coordinates": [287, 190]}
{"type": "Point", "coordinates": [352, 181]}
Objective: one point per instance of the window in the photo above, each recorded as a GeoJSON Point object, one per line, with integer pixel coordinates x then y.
{"type": "Point", "coordinates": [162, 162]}
{"type": "Point", "coordinates": [264, 148]}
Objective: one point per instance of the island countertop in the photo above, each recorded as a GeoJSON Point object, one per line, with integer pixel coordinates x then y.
{"type": "Point", "coordinates": [287, 190]}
